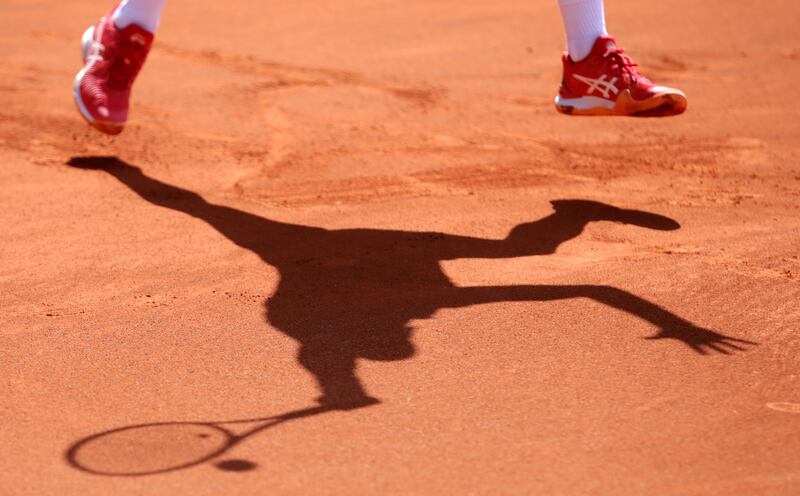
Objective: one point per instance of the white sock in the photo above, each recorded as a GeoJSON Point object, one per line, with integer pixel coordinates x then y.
{"type": "Point", "coordinates": [584, 22]}
{"type": "Point", "coordinates": [145, 13]}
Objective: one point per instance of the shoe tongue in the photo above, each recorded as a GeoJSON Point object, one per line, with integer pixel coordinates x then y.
{"type": "Point", "coordinates": [605, 44]}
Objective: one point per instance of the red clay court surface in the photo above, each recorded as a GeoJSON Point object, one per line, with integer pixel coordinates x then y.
{"type": "Point", "coordinates": [361, 165]}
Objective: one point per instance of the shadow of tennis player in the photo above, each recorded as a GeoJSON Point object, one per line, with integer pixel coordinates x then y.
{"type": "Point", "coordinates": [349, 294]}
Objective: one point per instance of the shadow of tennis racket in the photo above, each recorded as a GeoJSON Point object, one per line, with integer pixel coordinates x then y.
{"type": "Point", "coordinates": [149, 449]}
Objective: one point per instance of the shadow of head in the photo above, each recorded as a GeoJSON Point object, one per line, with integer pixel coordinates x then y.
{"type": "Point", "coordinates": [588, 210]}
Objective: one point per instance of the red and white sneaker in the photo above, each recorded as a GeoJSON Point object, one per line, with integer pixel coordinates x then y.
{"type": "Point", "coordinates": [113, 59]}
{"type": "Point", "coordinates": [606, 83]}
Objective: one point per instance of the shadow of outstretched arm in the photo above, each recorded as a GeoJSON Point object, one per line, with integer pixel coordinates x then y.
{"type": "Point", "coordinates": [669, 325]}
{"type": "Point", "coordinates": [246, 230]}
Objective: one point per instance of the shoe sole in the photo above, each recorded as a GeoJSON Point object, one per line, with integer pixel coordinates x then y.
{"type": "Point", "coordinates": [106, 127]}
{"type": "Point", "coordinates": [663, 104]}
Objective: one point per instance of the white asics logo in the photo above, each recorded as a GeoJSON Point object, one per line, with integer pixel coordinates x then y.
{"type": "Point", "coordinates": [600, 84]}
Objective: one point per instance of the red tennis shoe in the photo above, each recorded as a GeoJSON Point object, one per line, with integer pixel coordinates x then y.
{"type": "Point", "coordinates": [113, 58]}
{"type": "Point", "coordinates": [606, 83]}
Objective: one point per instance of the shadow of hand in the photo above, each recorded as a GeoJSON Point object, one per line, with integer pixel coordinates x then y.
{"type": "Point", "coordinates": [703, 340]}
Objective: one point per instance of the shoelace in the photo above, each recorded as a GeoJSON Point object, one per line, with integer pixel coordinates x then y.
{"type": "Point", "coordinates": [621, 63]}
{"type": "Point", "coordinates": [96, 50]}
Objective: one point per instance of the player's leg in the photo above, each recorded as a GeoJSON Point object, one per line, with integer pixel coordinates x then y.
{"type": "Point", "coordinates": [599, 78]}
{"type": "Point", "coordinates": [145, 13]}
{"type": "Point", "coordinates": [114, 51]}
{"type": "Point", "coordinates": [584, 22]}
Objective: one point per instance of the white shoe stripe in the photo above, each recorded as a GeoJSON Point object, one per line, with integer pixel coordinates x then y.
{"type": "Point", "coordinates": [76, 94]}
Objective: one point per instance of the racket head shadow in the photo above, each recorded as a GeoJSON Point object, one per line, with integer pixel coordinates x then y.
{"type": "Point", "coordinates": [150, 449]}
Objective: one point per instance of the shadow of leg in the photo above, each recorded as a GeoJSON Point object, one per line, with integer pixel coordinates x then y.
{"type": "Point", "coordinates": [335, 373]}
